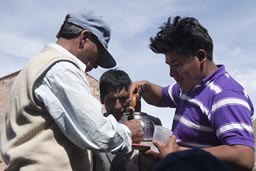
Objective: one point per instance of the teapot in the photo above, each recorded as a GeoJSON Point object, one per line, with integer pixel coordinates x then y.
{"type": "Point", "coordinates": [146, 122]}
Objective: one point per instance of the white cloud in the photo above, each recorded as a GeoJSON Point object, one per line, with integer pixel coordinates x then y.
{"type": "Point", "coordinates": [247, 79]}
{"type": "Point", "coordinates": [20, 45]}
{"type": "Point", "coordinates": [237, 51]}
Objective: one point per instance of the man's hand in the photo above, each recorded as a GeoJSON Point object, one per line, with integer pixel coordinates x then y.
{"type": "Point", "coordinates": [170, 147]}
{"type": "Point", "coordinates": [136, 129]}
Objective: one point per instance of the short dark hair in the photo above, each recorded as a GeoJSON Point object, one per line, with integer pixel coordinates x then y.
{"type": "Point", "coordinates": [69, 30]}
{"type": "Point", "coordinates": [182, 35]}
{"type": "Point", "coordinates": [113, 80]}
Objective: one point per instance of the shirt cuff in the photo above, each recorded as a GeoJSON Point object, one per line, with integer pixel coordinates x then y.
{"type": "Point", "coordinates": [126, 146]}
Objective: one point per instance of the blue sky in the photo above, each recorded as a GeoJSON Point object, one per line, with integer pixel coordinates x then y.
{"type": "Point", "coordinates": [26, 26]}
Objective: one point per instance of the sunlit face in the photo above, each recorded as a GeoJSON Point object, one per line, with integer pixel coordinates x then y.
{"type": "Point", "coordinates": [91, 53]}
{"type": "Point", "coordinates": [117, 102]}
{"type": "Point", "coordinates": [185, 71]}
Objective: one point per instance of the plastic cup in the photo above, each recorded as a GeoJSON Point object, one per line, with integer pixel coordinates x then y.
{"type": "Point", "coordinates": [161, 134]}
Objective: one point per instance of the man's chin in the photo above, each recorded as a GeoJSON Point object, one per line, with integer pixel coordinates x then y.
{"type": "Point", "coordinates": [88, 69]}
{"type": "Point", "coordinates": [182, 87]}
{"type": "Point", "coordinates": [185, 88]}
{"type": "Point", "coordinates": [118, 116]}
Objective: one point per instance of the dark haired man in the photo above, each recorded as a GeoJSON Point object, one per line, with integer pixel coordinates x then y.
{"type": "Point", "coordinates": [114, 86]}
{"type": "Point", "coordinates": [213, 111]}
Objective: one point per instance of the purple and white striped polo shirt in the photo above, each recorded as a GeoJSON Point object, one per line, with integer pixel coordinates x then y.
{"type": "Point", "coordinates": [218, 111]}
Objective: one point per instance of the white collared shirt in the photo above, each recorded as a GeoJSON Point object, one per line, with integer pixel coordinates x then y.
{"type": "Point", "coordinates": [65, 92]}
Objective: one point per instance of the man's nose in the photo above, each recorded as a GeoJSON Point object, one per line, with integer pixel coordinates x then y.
{"type": "Point", "coordinates": [119, 106]}
{"type": "Point", "coordinates": [95, 65]}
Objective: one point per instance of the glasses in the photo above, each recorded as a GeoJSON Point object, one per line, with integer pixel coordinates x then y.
{"type": "Point", "coordinates": [100, 47]}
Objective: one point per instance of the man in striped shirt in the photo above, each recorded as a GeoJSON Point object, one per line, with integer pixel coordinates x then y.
{"type": "Point", "coordinates": [213, 111]}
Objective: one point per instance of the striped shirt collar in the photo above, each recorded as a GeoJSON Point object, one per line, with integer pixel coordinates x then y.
{"type": "Point", "coordinates": [219, 72]}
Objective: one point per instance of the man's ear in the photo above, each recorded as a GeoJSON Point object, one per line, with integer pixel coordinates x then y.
{"type": "Point", "coordinates": [201, 54]}
{"type": "Point", "coordinates": [85, 34]}
{"type": "Point", "coordinates": [83, 37]}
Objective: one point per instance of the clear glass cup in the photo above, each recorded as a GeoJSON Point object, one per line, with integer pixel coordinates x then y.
{"type": "Point", "coordinates": [161, 134]}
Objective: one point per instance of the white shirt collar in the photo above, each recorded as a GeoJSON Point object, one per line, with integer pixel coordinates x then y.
{"type": "Point", "coordinates": [64, 51]}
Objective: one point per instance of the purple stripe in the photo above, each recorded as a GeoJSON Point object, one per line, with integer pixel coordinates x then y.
{"type": "Point", "coordinates": [217, 86]}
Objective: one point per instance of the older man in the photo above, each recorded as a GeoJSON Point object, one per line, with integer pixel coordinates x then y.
{"type": "Point", "coordinates": [52, 118]}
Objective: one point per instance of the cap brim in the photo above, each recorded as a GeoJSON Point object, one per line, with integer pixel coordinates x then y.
{"type": "Point", "coordinates": [106, 60]}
